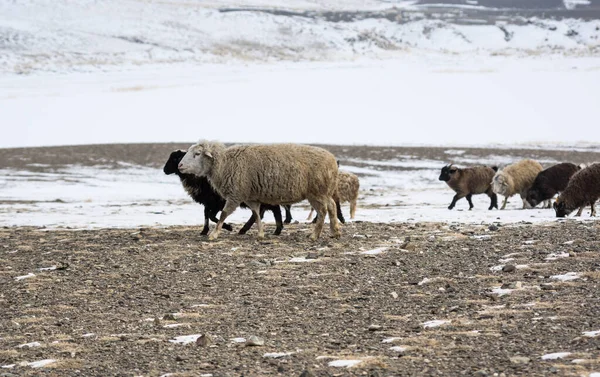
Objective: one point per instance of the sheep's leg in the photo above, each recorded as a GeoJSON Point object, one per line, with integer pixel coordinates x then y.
{"type": "Point", "coordinates": [334, 226]}
{"type": "Point", "coordinates": [230, 206]}
{"type": "Point", "coordinates": [470, 202]}
{"type": "Point", "coordinates": [213, 218]}
{"type": "Point", "coordinates": [248, 225]}
{"type": "Point", "coordinates": [340, 215]}
{"type": "Point", "coordinates": [455, 199]}
{"type": "Point", "coordinates": [548, 204]}
{"type": "Point", "coordinates": [321, 208]}
{"type": "Point", "coordinates": [580, 211]}
{"type": "Point", "coordinates": [206, 222]}
{"type": "Point", "coordinates": [288, 214]}
{"type": "Point", "coordinates": [353, 208]}
{"type": "Point", "coordinates": [504, 203]}
{"type": "Point", "coordinates": [256, 210]}
{"type": "Point", "coordinates": [310, 213]}
{"type": "Point", "coordinates": [277, 213]}
{"type": "Point", "coordinates": [593, 204]}
{"type": "Point", "coordinates": [493, 200]}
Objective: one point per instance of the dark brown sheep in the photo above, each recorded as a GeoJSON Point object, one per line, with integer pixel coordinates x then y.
{"type": "Point", "coordinates": [468, 182]}
{"type": "Point", "coordinates": [583, 189]}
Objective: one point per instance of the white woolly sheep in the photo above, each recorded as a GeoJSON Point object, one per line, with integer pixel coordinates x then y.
{"type": "Point", "coordinates": [269, 174]}
{"type": "Point", "coordinates": [516, 179]}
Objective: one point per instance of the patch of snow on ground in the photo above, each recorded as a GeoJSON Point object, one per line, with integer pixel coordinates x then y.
{"type": "Point", "coordinates": [555, 256]}
{"type": "Point", "coordinates": [566, 277]}
{"type": "Point", "coordinates": [344, 363]}
{"type": "Point", "coordinates": [555, 356]}
{"type": "Point", "coordinates": [185, 339]}
{"type": "Point", "coordinates": [238, 340]}
{"type": "Point", "coordinates": [51, 268]}
{"type": "Point", "coordinates": [277, 355]}
{"type": "Point", "coordinates": [301, 260]}
{"type": "Point", "coordinates": [379, 250]}
{"type": "Point", "coordinates": [41, 363]}
{"type": "Point", "coordinates": [501, 291]}
{"type": "Point", "coordinates": [390, 340]}
{"type": "Point", "coordinates": [398, 348]}
{"type": "Point", "coordinates": [591, 334]}
{"type": "Point", "coordinates": [28, 276]}
{"type": "Point", "coordinates": [30, 345]}
{"type": "Point", "coordinates": [435, 323]}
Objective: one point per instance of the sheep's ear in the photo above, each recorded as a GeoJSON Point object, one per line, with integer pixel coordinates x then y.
{"type": "Point", "coordinates": [208, 154]}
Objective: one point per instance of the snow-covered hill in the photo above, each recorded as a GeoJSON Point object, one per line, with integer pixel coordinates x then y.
{"type": "Point", "coordinates": [89, 35]}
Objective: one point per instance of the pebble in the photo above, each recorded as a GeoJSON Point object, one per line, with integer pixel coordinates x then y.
{"type": "Point", "coordinates": [306, 373]}
{"type": "Point", "coordinates": [312, 256]}
{"type": "Point", "coordinates": [394, 295]}
{"type": "Point", "coordinates": [375, 328]}
{"type": "Point", "coordinates": [204, 340]}
{"type": "Point", "coordinates": [546, 287]}
{"type": "Point", "coordinates": [169, 317]}
{"type": "Point", "coordinates": [493, 227]}
{"type": "Point", "coordinates": [480, 373]}
{"type": "Point", "coordinates": [255, 341]}
{"type": "Point", "coordinates": [509, 268]}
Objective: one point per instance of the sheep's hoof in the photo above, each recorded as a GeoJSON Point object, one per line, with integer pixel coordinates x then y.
{"type": "Point", "coordinates": [213, 236]}
{"type": "Point", "coordinates": [337, 235]}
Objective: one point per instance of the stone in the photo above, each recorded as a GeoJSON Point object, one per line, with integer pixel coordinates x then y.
{"type": "Point", "coordinates": [306, 373]}
{"type": "Point", "coordinates": [375, 328]}
{"type": "Point", "coordinates": [204, 340]}
{"type": "Point", "coordinates": [509, 268]}
{"type": "Point", "coordinates": [520, 360]}
{"type": "Point", "coordinates": [255, 341]}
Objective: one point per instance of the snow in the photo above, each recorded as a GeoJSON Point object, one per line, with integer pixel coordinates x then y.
{"type": "Point", "coordinates": [398, 348]}
{"type": "Point", "coordinates": [238, 340]}
{"type": "Point", "coordinates": [566, 277]}
{"type": "Point", "coordinates": [301, 260]}
{"type": "Point", "coordinates": [30, 345]}
{"type": "Point", "coordinates": [51, 268]}
{"type": "Point", "coordinates": [277, 355]}
{"type": "Point", "coordinates": [41, 363]}
{"type": "Point", "coordinates": [344, 363]}
{"type": "Point", "coordinates": [554, 356]}
{"type": "Point", "coordinates": [591, 334]}
{"type": "Point", "coordinates": [28, 276]}
{"type": "Point", "coordinates": [66, 36]}
{"type": "Point", "coordinates": [376, 251]}
{"type": "Point", "coordinates": [390, 340]}
{"type": "Point", "coordinates": [435, 323]}
{"type": "Point", "coordinates": [501, 291]}
{"type": "Point", "coordinates": [185, 339]}
{"type": "Point", "coordinates": [110, 107]}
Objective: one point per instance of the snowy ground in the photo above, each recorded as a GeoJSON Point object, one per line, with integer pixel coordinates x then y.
{"type": "Point", "coordinates": [405, 188]}
{"type": "Point", "coordinates": [82, 36]}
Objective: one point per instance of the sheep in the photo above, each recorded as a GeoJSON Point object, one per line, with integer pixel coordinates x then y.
{"type": "Point", "coordinates": [200, 190]}
{"type": "Point", "coordinates": [347, 191]}
{"type": "Point", "coordinates": [549, 182]}
{"type": "Point", "coordinates": [270, 174]}
{"type": "Point", "coordinates": [467, 182]}
{"type": "Point", "coordinates": [516, 179]}
{"type": "Point", "coordinates": [583, 189]}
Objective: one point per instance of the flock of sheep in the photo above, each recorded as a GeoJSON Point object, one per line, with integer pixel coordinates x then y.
{"type": "Point", "coordinates": [578, 186]}
{"type": "Point", "coordinates": [264, 177]}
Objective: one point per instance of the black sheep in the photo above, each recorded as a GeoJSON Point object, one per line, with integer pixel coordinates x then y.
{"type": "Point", "coordinates": [550, 182]}
{"type": "Point", "coordinates": [203, 193]}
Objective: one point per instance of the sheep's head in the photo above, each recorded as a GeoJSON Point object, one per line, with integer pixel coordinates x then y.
{"type": "Point", "coordinates": [173, 162]}
{"type": "Point", "coordinates": [561, 209]}
{"type": "Point", "coordinates": [500, 183]}
{"type": "Point", "coordinates": [449, 172]}
{"type": "Point", "coordinates": [200, 158]}
{"type": "Point", "coordinates": [533, 197]}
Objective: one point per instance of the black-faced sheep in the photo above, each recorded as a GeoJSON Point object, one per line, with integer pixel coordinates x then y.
{"type": "Point", "coordinates": [583, 189]}
{"type": "Point", "coordinates": [550, 182]}
{"type": "Point", "coordinates": [200, 190]}
{"type": "Point", "coordinates": [347, 191]}
{"type": "Point", "coordinates": [270, 174]}
{"type": "Point", "coordinates": [516, 178]}
{"type": "Point", "coordinates": [468, 182]}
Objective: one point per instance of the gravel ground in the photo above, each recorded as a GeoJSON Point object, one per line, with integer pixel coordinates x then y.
{"type": "Point", "coordinates": [114, 300]}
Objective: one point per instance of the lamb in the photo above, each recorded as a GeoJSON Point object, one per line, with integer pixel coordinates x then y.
{"type": "Point", "coordinates": [271, 174]}
{"type": "Point", "coordinates": [549, 182]}
{"type": "Point", "coordinates": [468, 182]}
{"type": "Point", "coordinates": [516, 179]}
{"type": "Point", "coordinates": [583, 189]}
{"type": "Point", "coordinates": [347, 191]}
{"type": "Point", "coordinates": [200, 190]}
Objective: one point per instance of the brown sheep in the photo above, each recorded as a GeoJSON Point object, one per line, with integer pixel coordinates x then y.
{"type": "Point", "coordinates": [468, 182]}
{"type": "Point", "coordinates": [583, 189]}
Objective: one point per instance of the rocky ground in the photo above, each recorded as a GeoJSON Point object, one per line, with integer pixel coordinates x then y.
{"type": "Point", "coordinates": [389, 299]}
